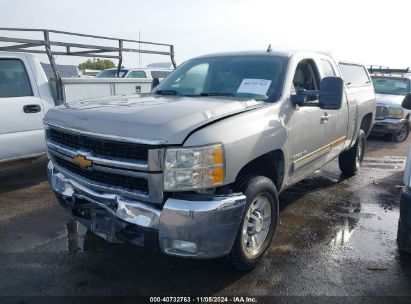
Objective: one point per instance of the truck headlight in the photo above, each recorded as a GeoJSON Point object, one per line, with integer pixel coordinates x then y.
{"type": "Point", "coordinates": [397, 113]}
{"type": "Point", "coordinates": [194, 168]}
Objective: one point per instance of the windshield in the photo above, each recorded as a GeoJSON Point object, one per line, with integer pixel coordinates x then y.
{"type": "Point", "coordinates": [391, 85]}
{"type": "Point", "coordinates": [111, 73]}
{"type": "Point", "coordinates": [251, 77]}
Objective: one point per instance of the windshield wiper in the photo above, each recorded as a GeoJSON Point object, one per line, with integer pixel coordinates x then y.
{"type": "Point", "coordinates": [217, 94]}
{"type": "Point", "coordinates": [166, 92]}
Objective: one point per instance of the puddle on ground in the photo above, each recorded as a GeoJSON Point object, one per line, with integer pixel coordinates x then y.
{"type": "Point", "coordinates": [353, 217]}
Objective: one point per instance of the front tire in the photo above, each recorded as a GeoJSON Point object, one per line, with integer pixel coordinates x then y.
{"type": "Point", "coordinates": [350, 160]}
{"type": "Point", "coordinates": [403, 239]}
{"type": "Point", "coordinates": [402, 134]}
{"type": "Point", "coordinates": [258, 224]}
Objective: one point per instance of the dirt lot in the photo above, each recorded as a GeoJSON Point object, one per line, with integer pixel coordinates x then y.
{"type": "Point", "coordinates": [336, 237]}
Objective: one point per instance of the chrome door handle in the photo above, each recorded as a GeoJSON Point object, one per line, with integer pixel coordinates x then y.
{"type": "Point", "coordinates": [325, 118]}
{"type": "Point", "coordinates": [32, 108]}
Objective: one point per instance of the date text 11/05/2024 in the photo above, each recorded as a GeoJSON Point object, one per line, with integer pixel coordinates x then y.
{"type": "Point", "coordinates": [203, 300]}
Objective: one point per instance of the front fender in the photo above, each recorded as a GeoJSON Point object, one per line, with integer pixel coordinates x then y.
{"type": "Point", "coordinates": [245, 137]}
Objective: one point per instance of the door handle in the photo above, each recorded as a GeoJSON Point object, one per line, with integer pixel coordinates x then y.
{"type": "Point", "coordinates": [325, 118]}
{"type": "Point", "coordinates": [33, 108]}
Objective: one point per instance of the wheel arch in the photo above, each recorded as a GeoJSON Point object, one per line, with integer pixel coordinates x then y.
{"type": "Point", "coordinates": [270, 165]}
{"type": "Point", "coordinates": [366, 124]}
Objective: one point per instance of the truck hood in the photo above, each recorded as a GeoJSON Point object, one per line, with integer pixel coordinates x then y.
{"type": "Point", "coordinates": [166, 119]}
{"type": "Point", "coordinates": [389, 100]}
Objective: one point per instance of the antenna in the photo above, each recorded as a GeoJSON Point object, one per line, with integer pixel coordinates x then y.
{"type": "Point", "coordinates": [139, 49]}
{"type": "Point", "coordinates": [269, 48]}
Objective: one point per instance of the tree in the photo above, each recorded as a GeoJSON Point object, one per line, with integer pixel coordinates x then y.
{"type": "Point", "coordinates": [97, 64]}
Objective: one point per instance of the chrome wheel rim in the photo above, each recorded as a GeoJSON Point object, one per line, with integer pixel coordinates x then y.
{"type": "Point", "coordinates": [256, 224]}
{"type": "Point", "coordinates": [402, 133]}
{"type": "Point", "coordinates": [358, 159]}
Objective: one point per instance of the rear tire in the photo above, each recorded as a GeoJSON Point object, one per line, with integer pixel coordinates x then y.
{"type": "Point", "coordinates": [350, 160]}
{"type": "Point", "coordinates": [258, 224]}
{"type": "Point", "coordinates": [403, 239]}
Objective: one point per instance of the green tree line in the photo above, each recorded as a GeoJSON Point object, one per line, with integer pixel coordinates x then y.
{"type": "Point", "coordinates": [97, 64]}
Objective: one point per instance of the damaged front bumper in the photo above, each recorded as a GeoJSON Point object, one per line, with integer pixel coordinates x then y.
{"type": "Point", "coordinates": [190, 225]}
{"type": "Point", "coordinates": [387, 126]}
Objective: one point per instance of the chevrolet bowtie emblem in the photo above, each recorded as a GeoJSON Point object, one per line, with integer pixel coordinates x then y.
{"type": "Point", "coordinates": [82, 161]}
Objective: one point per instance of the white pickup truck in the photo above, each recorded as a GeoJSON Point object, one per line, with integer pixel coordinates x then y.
{"type": "Point", "coordinates": [26, 94]}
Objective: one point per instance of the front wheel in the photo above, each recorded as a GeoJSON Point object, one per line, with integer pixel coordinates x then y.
{"type": "Point", "coordinates": [401, 134]}
{"type": "Point", "coordinates": [350, 160]}
{"type": "Point", "coordinates": [258, 224]}
{"type": "Point", "coordinates": [403, 239]}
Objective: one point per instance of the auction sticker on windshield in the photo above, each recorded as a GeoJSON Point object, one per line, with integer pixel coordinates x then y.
{"type": "Point", "coordinates": [254, 86]}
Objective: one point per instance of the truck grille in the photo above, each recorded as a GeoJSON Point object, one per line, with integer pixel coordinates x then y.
{"type": "Point", "coordinates": [105, 178]}
{"type": "Point", "coordinates": [99, 147]}
{"type": "Point", "coordinates": [381, 112]}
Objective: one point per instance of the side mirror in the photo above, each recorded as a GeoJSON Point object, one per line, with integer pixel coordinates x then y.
{"type": "Point", "coordinates": [156, 82]}
{"type": "Point", "coordinates": [299, 98]}
{"type": "Point", "coordinates": [406, 103]}
{"type": "Point", "coordinates": [331, 93]}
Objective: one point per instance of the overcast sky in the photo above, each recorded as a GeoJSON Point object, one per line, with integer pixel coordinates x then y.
{"type": "Point", "coordinates": [370, 32]}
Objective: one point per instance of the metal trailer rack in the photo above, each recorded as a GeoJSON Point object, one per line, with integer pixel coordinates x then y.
{"type": "Point", "coordinates": [77, 49]}
{"type": "Point", "coordinates": [386, 70]}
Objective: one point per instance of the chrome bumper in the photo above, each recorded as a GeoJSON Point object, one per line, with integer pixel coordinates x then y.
{"type": "Point", "coordinates": [387, 126]}
{"type": "Point", "coordinates": [210, 223]}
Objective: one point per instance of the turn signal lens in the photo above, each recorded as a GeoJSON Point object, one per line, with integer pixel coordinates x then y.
{"type": "Point", "coordinates": [218, 176]}
{"type": "Point", "coordinates": [218, 155]}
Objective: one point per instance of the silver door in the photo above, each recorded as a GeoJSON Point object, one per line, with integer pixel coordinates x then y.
{"type": "Point", "coordinates": [307, 126]}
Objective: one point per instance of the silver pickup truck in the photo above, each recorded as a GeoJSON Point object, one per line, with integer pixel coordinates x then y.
{"type": "Point", "coordinates": [392, 120]}
{"type": "Point", "coordinates": [195, 167]}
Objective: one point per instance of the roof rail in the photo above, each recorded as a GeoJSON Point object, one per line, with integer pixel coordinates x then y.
{"type": "Point", "coordinates": [387, 70]}
{"type": "Point", "coordinates": [77, 49]}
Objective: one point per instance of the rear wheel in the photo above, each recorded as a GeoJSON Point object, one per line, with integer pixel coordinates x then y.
{"type": "Point", "coordinates": [350, 160]}
{"type": "Point", "coordinates": [402, 133]}
{"type": "Point", "coordinates": [258, 224]}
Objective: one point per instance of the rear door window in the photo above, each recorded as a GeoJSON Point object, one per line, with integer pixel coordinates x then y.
{"type": "Point", "coordinates": [354, 74]}
{"type": "Point", "coordinates": [14, 81]}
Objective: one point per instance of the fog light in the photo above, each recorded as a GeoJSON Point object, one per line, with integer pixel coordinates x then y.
{"type": "Point", "coordinates": [183, 246]}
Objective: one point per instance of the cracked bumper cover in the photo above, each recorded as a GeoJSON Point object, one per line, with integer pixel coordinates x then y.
{"type": "Point", "coordinates": [211, 222]}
